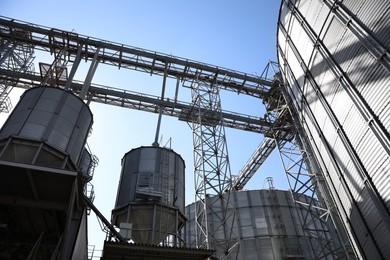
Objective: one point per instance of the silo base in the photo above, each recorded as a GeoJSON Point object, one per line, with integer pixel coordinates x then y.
{"type": "Point", "coordinates": [117, 250]}
{"type": "Point", "coordinates": [151, 221]}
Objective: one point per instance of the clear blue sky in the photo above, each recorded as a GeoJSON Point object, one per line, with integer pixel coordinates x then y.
{"type": "Point", "coordinates": [238, 35]}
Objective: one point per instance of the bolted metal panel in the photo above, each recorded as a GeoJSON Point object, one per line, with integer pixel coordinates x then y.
{"type": "Point", "coordinates": [268, 225]}
{"type": "Point", "coordinates": [340, 92]}
{"type": "Point", "coordinates": [151, 193]}
{"type": "Point", "coordinates": [53, 116]}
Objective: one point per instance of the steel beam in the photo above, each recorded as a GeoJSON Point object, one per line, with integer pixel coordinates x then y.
{"type": "Point", "coordinates": [124, 98]}
{"type": "Point", "coordinates": [123, 56]}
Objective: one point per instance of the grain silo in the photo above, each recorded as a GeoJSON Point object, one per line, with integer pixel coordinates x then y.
{"type": "Point", "coordinates": [150, 197]}
{"type": "Point", "coordinates": [43, 176]}
{"type": "Point", "coordinates": [334, 57]}
{"type": "Point", "coordinates": [268, 225]}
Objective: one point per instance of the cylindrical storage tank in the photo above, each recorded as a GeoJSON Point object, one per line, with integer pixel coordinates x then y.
{"type": "Point", "coordinates": [268, 225]}
{"type": "Point", "coordinates": [53, 116]}
{"type": "Point", "coordinates": [150, 194]}
{"type": "Point", "coordinates": [334, 56]}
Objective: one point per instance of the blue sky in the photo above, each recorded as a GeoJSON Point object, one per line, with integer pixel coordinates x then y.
{"type": "Point", "coordinates": [238, 35]}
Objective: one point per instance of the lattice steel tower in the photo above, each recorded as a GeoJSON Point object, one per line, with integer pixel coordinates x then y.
{"type": "Point", "coordinates": [16, 57]}
{"type": "Point", "coordinates": [212, 172]}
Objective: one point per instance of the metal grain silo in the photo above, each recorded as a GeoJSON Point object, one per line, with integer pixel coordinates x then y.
{"type": "Point", "coordinates": [43, 170]}
{"type": "Point", "coordinates": [268, 225]}
{"type": "Point", "coordinates": [51, 116]}
{"type": "Point", "coordinates": [150, 197]}
{"type": "Point", "coordinates": [334, 56]}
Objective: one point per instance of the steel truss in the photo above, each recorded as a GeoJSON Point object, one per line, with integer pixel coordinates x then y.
{"type": "Point", "coordinates": [15, 57]}
{"type": "Point", "coordinates": [70, 47]}
{"type": "Point", "coordinates": [212, 174]}
{"type": "Point", "coordinates": [306, 182]}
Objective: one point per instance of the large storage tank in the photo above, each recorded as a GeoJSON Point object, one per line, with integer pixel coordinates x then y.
{"type": "Point", "coordinates": [334, 56]}
{"type": "Point", "coordinates": [268, 226]}
{"type": "Point", "coordinates": [43, 170]}
{"type": "Point", "coordinates": [150, 195]}
{"type": "Point", "coordinates": [51, 116]}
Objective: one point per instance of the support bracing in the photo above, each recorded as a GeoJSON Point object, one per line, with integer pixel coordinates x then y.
{"type": "Point", "coordinates": [15, 57]}
{"type": "Point", "coordinates": [214, 222]}
{"type": "Point", "coordinates": [305, 180]}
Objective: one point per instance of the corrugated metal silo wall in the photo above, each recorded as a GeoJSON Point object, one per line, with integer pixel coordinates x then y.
{"type": "Point", "coordinates": [335, 59]}
{"type": "Point", "coordinates": [268, 225]}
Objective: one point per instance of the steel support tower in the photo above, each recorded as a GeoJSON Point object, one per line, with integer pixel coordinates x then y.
{"type": "Point", "coordinates": [212, 173]}
{"type": "Point", "coordinates": [16, 57]}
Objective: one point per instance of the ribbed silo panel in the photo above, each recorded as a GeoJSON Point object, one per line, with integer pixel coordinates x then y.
{"type": "Point", "coordinates": [296, 68]}
{"type": "Point", "coordinates": [294, 89]}
{"type": "Point", "coordinates": [313, 11]}
{"type": "Point", "coordinates": [353, 5]}
{"type": "Point", "coordinates": [303, 6]}
{"type": "Point", "coordinates": [285, 16]}
{"type": "Point", "coordinates": [349, 171]}
{"type": "Point", "coordinates": [369, 210]}
{"type": "Point", "coordinates": [382, 181]}
{"type": "Point", "coordinates": [349, 49]}
{"type": "Point", "coordinates": [381, 30]}
{"type": "Point", "coordinates": [354, 179]}
{"type": "Point", "coordinates": [341, 104]}
{"type": "Point", "coordinates": [335, 30]}
{"type": "Point", "coordinates": [384, 116]}
{"type": "Point", "coordinates": [382, 235]}
{"type": "Point", "coordinates": [320, 19]}
{"type": "Point", "coordinates": [36, 124]}
{"type": "Point", "coordinates": [47, 103]}
{"type": "Point", "coordinates": [375, 222]}
{"type": "Point", "coordinates": [371, 160]}
{"type": "Point", "coordinates": [317, 67]}
{"type": "Point", "coordinates": [338, 178]}
{"type": "Point", "coordinates": [317, 108]}
{"type": "Point", "coordinates": [376, 91]}
{"type": "Point", "coordinates": [374, 161]}
{"type": "Point", "coordinates": [354, 126]}
{"type": "Point", "coordinates": [360, 68]}
{"type": "Point", "coordinates": [371, 13]}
